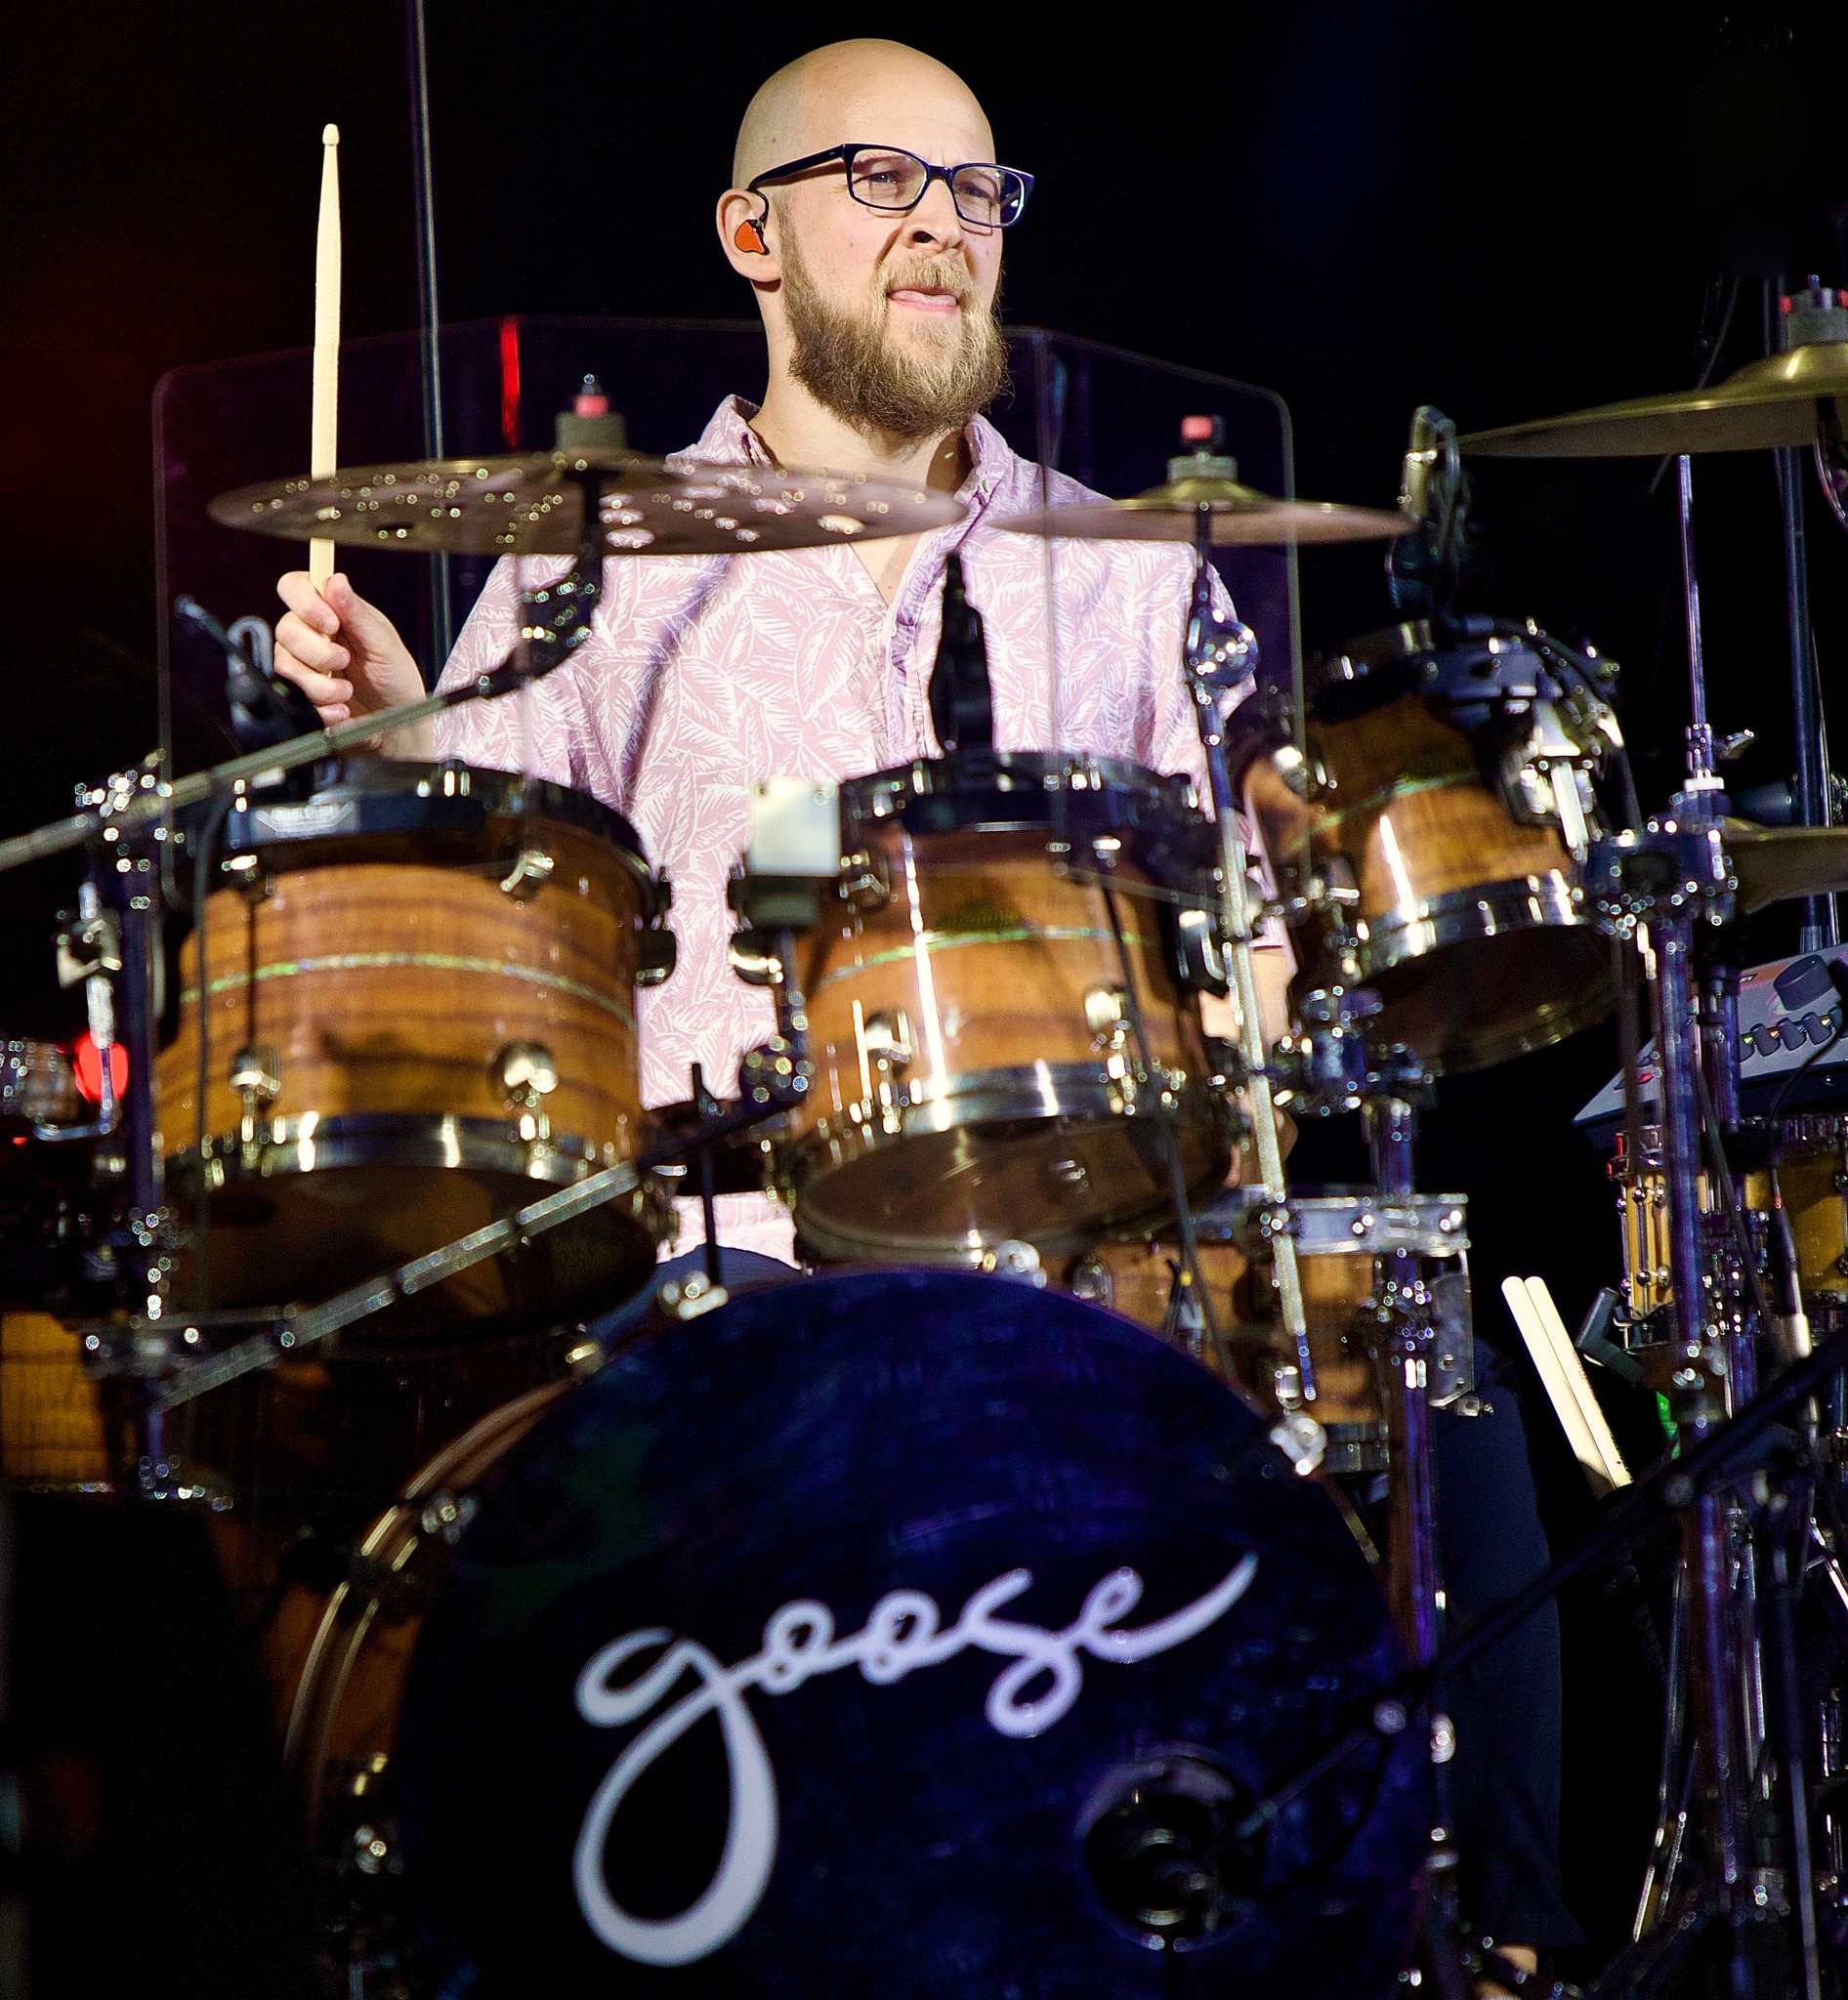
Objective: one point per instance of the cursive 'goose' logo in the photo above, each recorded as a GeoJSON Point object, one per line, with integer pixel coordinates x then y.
{"type": "Point", "coordinates": [901, 1634]}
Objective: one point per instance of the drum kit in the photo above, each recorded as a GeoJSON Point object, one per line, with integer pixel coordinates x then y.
{"type": "Point", "coordinates": [1074, 1379]}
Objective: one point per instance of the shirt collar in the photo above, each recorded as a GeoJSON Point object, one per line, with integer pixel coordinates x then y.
{"type": "Point", "coordinates": [729, 440]}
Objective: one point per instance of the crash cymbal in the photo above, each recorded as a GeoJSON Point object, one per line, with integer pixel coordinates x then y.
{"type": "Point", "coordinates": [1767, 405]}
{"type": "Point", "coordinates": [532, 506]}
{"type": "Point", "coordinates": [1242, 517]}
{"type": "Point", "coordinates": [1774, 863]}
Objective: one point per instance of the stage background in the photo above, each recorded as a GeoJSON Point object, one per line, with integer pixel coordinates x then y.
{"type": "Point", "coordinates": [1506, 211]}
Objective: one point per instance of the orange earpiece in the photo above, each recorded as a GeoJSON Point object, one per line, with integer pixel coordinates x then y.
{"type": "Point", "coordinates": [750, 237]}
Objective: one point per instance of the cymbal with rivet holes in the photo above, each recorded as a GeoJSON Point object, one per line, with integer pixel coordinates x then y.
{"type": "Point", "coordinates": [533, 505]}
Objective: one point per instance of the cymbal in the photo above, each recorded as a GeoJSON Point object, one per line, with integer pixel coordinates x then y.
{"type": "Point", "coordinates": [1242, 517]}
{"type": "Point", "coordinates": [1774, 863]}
{"type": "Point", "coordinates": [532, 506]}
{"type": "Point", "coordinates": [1767, 405]}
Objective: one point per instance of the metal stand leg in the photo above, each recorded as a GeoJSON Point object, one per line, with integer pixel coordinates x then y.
{"type": "Point", "coordinates": [1413, 1560]}
{"type": "Point", "coordinates": [1709, 1529]}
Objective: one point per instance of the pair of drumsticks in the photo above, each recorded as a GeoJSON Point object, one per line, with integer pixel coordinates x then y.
{"type": "Point", "coordinates": [1568, 1387]}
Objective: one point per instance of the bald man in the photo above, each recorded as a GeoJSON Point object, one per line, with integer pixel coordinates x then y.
{"type": "Point", "coordinates": [875, 274]}
{"type": "Point", "coordinates": [876, 281]}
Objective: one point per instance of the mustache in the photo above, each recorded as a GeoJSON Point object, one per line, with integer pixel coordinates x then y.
{"type": "Point", "coordinates": [935, 273]}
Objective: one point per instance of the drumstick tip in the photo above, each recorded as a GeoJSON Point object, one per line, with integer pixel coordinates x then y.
{"type": "Point", "coordinates": [330, 135]}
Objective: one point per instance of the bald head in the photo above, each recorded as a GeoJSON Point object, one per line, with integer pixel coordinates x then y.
{"type": "Point", "coordinates": [883, 93]}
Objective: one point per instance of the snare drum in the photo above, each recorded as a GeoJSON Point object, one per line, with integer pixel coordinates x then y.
{"type": "Point", "coordinates": [1339, 1239]}
{"type": "Point", "coordinates": [419, 1015]}
{"type": "Point", "coordinates": [1424, 842]}
{"type": "Point", "coordinates": [977, 1072]}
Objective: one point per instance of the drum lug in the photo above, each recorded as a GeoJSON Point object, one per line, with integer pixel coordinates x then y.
{"type": "Point", "coordinates": [1198, 962]}
{"type": "Point", "coordinates": [529, 874]}
{"type": "Point", "coordinates": [753, 961]}
{"type": "Point", "coordinates": [1091, 1279]}
{"type": "Point", "coordinates": [888, 1051]}
{"type": "Point", "coordinates": [1106, 1015]}
{"type": "Point", "coordinates": [256, 1077]}
{"type": "Point", "coordinates": [526, 1073]}
{"type": "Point", "coordinates": [863, 881]}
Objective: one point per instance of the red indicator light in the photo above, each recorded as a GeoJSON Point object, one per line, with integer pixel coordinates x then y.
{"type": "Point", "coordinates": [87, 1064]}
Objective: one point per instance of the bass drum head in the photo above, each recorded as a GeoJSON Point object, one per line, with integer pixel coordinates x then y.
{"type": "Point", "coordinates": [902, 1633]}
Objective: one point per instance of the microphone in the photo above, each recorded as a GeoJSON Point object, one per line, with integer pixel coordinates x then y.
{"type": "Point", "coordinates": [1424, 570]}
{"type": "Point", "coordinates": [963, 707]}
{"type": "Point", "coordinates": [265, 709]}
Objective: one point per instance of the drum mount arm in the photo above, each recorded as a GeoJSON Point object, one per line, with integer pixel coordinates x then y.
{"type": "Point", "coordinates": [1220, 656]}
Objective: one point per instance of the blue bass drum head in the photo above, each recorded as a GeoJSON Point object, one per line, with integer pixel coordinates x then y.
{"type": "Point", "coordinates": [900, 1633]}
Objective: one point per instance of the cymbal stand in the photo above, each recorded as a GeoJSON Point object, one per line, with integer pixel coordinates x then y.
{"type": "Point", "coordinates": [1703, 796]}
{"type": "Point", "coordinates": [1808, 316]}
{"type": "Point", "coordinates": [1658, 886]}
{"type": "Point", "coordinates": [1219, 657]}
{"type": "Point", "coordinates": [123, 886]}
{"type": "Point", "coordinates": [1325, 1069]}
{"type": "Point", "coordinates": [1405, 1303]}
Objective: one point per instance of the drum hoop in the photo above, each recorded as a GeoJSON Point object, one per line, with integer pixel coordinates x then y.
{"type": "Point", "coordinates": [382, 796]}
{"type": "Point", "coordinates": [1484, 909]}
{"type": "Point", "coordinates": [1022, 789]}
{"type": "Point", "coordinates": [398, 1139]}
{"type": "Point", "coordinates": [1431, 1225]}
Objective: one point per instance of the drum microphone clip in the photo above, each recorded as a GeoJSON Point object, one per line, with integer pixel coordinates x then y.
{"type": "Point", "coordinates": [264, 708]}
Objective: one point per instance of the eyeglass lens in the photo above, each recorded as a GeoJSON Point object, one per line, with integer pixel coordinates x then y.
{"type": "Point", "coordinates": [988, 197]}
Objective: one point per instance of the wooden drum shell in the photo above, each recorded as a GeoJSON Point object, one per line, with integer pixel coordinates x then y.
{"type": "Point", "coordinates": [1470, 925]}
{"type": "Point", "coordinates": [384, 963]}
{"type": "Point", "coordinates": [388, 989]}
{"type": "Point", "coordinates": [993, 961]}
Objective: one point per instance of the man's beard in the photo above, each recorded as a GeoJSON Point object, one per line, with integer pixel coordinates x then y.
{"type": "Point", "coordinates": [848, 363]}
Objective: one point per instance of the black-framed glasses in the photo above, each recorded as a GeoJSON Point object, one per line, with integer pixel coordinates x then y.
{"type": "Point", "coordinates": [886, 177]}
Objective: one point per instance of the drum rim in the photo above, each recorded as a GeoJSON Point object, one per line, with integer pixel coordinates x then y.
{"type": "Point", "coordinates": [446, 1140]}
{"type": "Point", "coordinates": [1393, 646]}
{"type": "Point", "coordinates": [976, 1098]}
{"type": "Point", "coordinates": [1113, 789]}
{"type": "Point", "coordinates": [499, 795]}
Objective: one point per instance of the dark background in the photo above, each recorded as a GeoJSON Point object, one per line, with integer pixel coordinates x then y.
{"type": "Point", "coordinates": [1365, 204]}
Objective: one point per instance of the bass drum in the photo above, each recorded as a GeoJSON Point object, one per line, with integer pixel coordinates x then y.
{"type": "Point", "coordinates": [887, 1632]}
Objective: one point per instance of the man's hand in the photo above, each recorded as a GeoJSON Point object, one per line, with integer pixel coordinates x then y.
{"type": "Point", "coordinates": [346, 657]}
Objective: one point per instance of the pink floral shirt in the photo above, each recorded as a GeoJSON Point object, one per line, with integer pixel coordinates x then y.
{"type": "Point", "coordinates": [704, 675]}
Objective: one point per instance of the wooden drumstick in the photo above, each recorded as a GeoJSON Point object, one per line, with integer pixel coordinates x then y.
{"type": "Point", "coordinates": [324, 416]}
